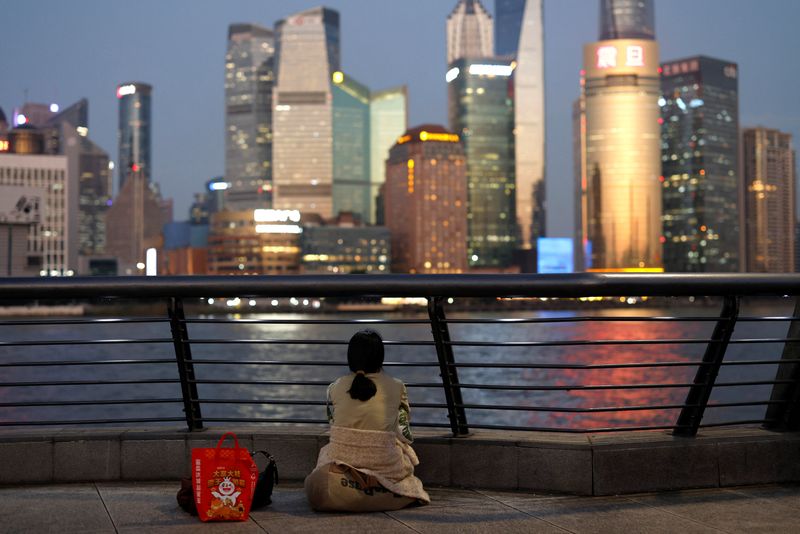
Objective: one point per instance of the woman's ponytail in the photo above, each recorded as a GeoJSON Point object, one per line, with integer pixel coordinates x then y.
{"type": "Point", "coordinates": [362, 387]}
{"type": "Point", "coordinates": [364, 355]}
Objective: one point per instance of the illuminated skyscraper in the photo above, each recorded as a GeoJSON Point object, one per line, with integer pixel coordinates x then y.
{"type": "Point", "coordinates": [627, 19]}
{"type": "Point", "coordinates": [425, 202]}
{"type": "Point", "coordinates": [482, 113]}
{"type": "Point", "coordinates": [619, 179]}
{"type": "Point", "coordinates": [700, 165]}
{"type": "Point", "coordinates": [307, 56]}
{"type": "Point", "coordinates": [388, 119]}
{"type": "Point", "coordinates": [519, 33]}
{"type": "Point", "coordinates": [470, 31]}
{"type": "Point", "coordinates": [769, 190]}
{"type": "Point", "coordinates": [134, 130]}
{"type": "Point", "coordinates": [249, 79]}
{"type": "Point", "coordinates": [351, 139]}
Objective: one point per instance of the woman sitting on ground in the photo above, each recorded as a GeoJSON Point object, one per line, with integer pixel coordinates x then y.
{"type": "Point", "coordinates": [369, 463]}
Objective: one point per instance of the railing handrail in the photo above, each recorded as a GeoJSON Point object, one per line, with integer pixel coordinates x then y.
{"type": "Point", "coordinates": [404, 285]}
{"type": "Point", "coordinates": [783, 408]}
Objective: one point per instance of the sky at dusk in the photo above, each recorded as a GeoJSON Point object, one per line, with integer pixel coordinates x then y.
{"type": "Point", "coordinates": [61, 51]}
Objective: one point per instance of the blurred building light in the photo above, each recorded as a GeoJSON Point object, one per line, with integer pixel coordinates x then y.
{"type": "Point", "coordinates": [478, 69]}
{"type": "Point", "coordinates": [124, 90]}
{"type": "Point", "coordinates": [151, 257]}
{"type": "Point", "coordinates": [452, 74]}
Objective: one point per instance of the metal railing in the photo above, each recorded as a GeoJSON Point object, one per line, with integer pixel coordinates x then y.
{"type": "Point", "coordinates": [586, 370]}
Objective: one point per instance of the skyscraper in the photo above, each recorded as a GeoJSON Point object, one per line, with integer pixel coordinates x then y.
{"type": "Point", "coordinates": [249, 79]}
{"type": "Point", "coordinates": [482, 114]}
{"type": "Point", "coordinates": [351, 140]}
{"type": "Point", "coordinates": [700, 165]}
{"type": "Point", "coordinates": [307, 56]}
{"type": "Point", "coordinates": [627, 19]}
{"type": "Point", "coordinates": [770, 180]}
{"type": "Point", "coordinates": [619, 180]}
{"type": "Point", "coordinates": [134, 130]}
{"type": "Point", "coordinates": [388, 120]}
{"type": "Point", "coordinates": [470, 31]}
{"type": "Point", "coordinates": [425, 202]}
{"type": "Point", "coordinates": [519, 33]}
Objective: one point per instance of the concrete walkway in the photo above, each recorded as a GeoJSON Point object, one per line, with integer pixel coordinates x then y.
{"type": "Point", "coordinates": [151, 507]}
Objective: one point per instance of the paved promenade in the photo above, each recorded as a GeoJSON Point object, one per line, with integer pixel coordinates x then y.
{"type": "Point", "coordinates": [150, 507]}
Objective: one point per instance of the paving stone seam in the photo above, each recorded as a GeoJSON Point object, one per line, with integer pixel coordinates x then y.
{"type": "Point", "coordinates": [108, 513]}
{"type": "Point", "coordinates": [523, 512]}
{"type": "Point", "coordinates": [409, 527]}
{"type": "Point", "coordinates": [257, 524]}
{"type": "Point", "coordinates": [739, 492]}
{"type": "Point", "coordinates": [670, 512]}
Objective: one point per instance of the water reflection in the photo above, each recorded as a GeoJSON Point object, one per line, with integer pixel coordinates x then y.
{"type": "Point", "coordinates": [331, 363]}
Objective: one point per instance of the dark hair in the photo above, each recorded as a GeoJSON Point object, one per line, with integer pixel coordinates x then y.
{"type": "Point", "coordinates": [364, 354]}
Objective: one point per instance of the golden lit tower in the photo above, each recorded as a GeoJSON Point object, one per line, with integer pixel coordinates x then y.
{"type": "Point", "coordinates": [619, 179]}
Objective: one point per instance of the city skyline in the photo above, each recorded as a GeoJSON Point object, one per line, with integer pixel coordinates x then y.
{"type": "Point", "coordinates": [188, 101]}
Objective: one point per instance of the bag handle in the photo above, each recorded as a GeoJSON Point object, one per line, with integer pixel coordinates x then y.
{"type": "Point", "coordinates": [226, 435]}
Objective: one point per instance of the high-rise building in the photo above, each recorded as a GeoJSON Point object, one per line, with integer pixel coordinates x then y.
{"type": "Point", "coordinates": [425, 202]}
{"type": "Point", "coordinates": [388, 120]}
{"type": "Point", "coordinates": [262, 241]}
{"type": "Point", "coordinates": [134, 130]}
{"type": "Point", "coordinates": [90, 169]}
{"type": "Point", "coordinates": [519, 33]}
{"type": "Point", "coordinates": [249, 79]}
{"type": "Point", "coordinates": [134, 223]}
{"type": "Point", "coordinates": [34, 114]}
{"type": "Point", "coordinates": [307, 56]}
{"type": "Point", "coordinates": [481, 112]}
{"type": "Point", "coordinates": [700, 165]}
{"type": "Point", "coordinates": [770, 182]}
{"type": "Point", "coordinates": [627, 19]}
{"type": "Point", "coordinates": [619, 179]}
{"type": "Point", "coordinates": [33, 192]}
{"type": "Point", "coordinates": [470, 31]}
{"type": "Point", "coordinates": [345, 246]}
{"type": "Point", "coordinates": [351, 146]}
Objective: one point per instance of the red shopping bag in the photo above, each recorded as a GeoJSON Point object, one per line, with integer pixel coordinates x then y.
{"type": "Point", "coordinates": [224, 480]}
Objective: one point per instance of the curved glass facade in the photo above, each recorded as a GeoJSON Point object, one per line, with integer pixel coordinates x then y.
{"type": "Point", "coordinates": [622, 206]}
{"type": "Point", "coordinates": [627, 19]}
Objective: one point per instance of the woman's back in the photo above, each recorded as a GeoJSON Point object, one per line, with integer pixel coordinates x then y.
{"type": "Point", "coordinates": [381, 412]}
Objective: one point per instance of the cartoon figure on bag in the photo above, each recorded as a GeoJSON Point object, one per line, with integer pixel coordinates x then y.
{"type": "Point", "coordinates": [227, 492]}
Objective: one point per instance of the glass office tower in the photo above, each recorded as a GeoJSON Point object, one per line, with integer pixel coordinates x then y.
{"type": "Point", "coordinates": [627, 19]}
{"type": "Point", "coordinates": [388, 111]}
{"type": "Point", "coordinates": [520, 34]}
{"type": "Point", "coordinates": [307, 56]}
{"type": "Point", "coordinates": [700, 165]}
{"type": "Point", "coordinates": [351, 140]}
{"type": "Point", "coordinates": [481, 112]}
{"type": "Point", "coordinates": [249, 79]}
{"type": "Point", "coordinates": [134, 130]}
{"type": "Point", "coordinates": [470, 31]}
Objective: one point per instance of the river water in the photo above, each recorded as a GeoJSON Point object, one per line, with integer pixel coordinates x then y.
{"type": "Point", "coordinates": [288, 353]}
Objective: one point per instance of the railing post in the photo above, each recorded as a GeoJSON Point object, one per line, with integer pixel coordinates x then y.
{"type": "Point", "coordinates": [447, 369]}
{"type": "Point", "coordinates": [786, 414]}
{"type": "Point", "coordinates": [183, 356]}
{"type": "Point", "coordinates": [696, 401]}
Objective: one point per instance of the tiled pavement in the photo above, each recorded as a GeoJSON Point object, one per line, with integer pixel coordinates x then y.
{"type": "Point", "coordinates": [151, 507]}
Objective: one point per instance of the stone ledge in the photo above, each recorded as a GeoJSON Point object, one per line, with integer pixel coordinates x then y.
{"type": "Point", "coordinates": [604, 464]}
